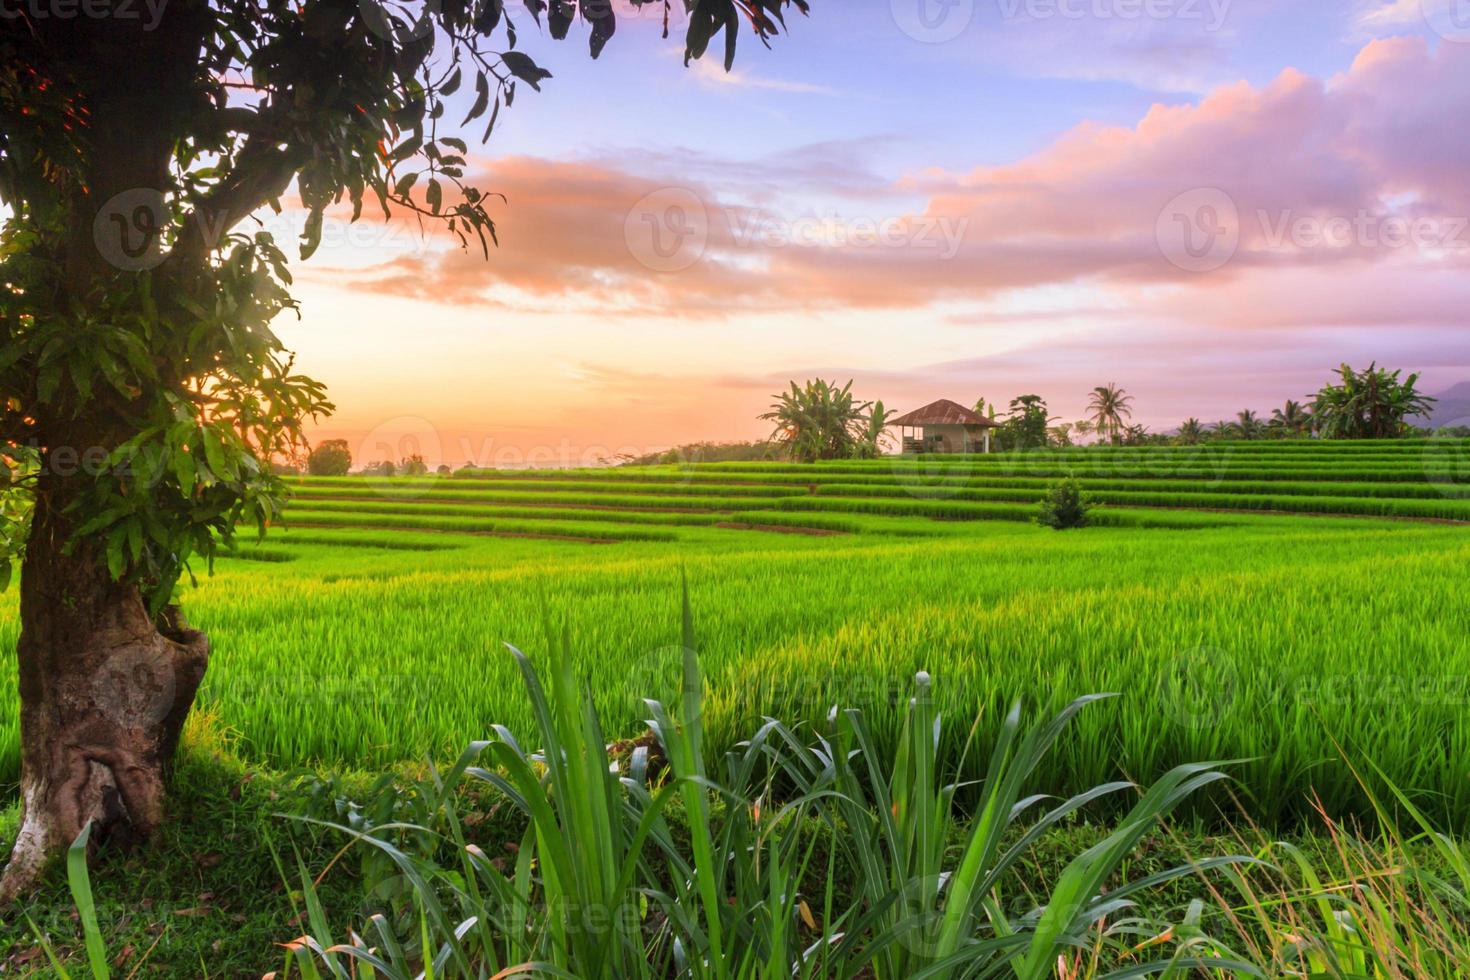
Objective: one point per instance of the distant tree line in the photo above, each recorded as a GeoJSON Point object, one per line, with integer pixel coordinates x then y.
{"type": "Point", "coordinates": [821, 420]}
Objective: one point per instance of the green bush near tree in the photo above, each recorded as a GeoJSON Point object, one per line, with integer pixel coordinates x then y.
{"type": "Point", "coordinates": [1064, 506]}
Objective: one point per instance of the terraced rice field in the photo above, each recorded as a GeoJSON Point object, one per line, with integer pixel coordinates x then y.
{"type": "Point", "coordinates": [1254, 601]}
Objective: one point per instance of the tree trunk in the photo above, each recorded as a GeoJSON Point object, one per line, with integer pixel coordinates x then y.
{"type": "Point", "coordinates": [104, 694]}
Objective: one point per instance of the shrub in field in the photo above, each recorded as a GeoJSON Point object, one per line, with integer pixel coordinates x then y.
{"type": "Point", "coordinates": [1064, 506]}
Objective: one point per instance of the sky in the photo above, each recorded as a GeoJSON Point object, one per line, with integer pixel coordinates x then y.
{"type": "Point", "coordinates": [1211, 203]}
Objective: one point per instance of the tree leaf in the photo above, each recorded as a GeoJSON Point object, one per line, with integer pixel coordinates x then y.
{"type": "Point", "coordinates": [482, 97]}
{"type": "Point", "coordinates": [522, 67]}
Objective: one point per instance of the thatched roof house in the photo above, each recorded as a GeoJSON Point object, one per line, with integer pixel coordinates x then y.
{"type": "Point", "coordinates": [944, 427]}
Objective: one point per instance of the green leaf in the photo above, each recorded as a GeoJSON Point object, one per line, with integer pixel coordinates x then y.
{"type": "Point", "coordinates": [81, 892]}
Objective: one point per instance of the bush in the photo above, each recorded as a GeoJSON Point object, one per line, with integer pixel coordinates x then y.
{"type": "Point", "coordinates": [1064, 506]}
{"type": "Point", "coordinates": [331, 458]}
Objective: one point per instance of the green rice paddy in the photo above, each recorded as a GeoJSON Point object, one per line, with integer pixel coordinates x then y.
{"type": "Point", "coordinates": [1257, 601]}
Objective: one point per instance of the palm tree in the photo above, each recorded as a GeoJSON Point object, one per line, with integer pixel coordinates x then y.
{"type": "Point", "coordinates": [1291, 419]}
{"type": "Point", "coordinates": [1221, 429]}
{"type": "Point", "coordinates": [1109, 406]}
{"type": "Point", "coordinates": [1082, 427]}
{"type": "Point", "coordinates": [1191, 431]}
{"type": "Point", "coordinates": [1248, 425]}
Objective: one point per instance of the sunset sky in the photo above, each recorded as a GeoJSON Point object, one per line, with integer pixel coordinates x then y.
{"type": "Point", "coordinates": [1209, 202]}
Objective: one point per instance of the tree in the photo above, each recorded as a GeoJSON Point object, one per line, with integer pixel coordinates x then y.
{"type": "Point", "coordinates": [817, 420]}
{"type": "Point", "coordinates": [1027, 425]}
{"type": "Point", "coordinates": [1135, 435]}
{"type": "Point", "coordinates": [137, 321]}
{"type": "Point", "coordinates": [1191, 432]}
{"type": "Point", "coordinates": [1291, 419]}
{"type": "Point", "coordinates": [1247, 425]}
{"type": "Point", "coordinates": [331, 458]}
{"type": "Point", "coordinates": [413, 465]}
{"type": "Point", "coordinates": [1369, 404]}
{"type": "Point", "coordinates": [1109, 406]}
{"type": "Point", "coordinates": [874, 435]}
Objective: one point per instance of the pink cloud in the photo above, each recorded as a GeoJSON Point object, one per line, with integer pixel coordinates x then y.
{"type": "Point", "coordinates": [1375, 147]}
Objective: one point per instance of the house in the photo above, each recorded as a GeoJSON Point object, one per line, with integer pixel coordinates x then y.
{"type": "Point", "coordinates": [944, 427]}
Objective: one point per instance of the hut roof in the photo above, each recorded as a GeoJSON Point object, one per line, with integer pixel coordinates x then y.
{"type": "Point", "coordinates": [943, 412]}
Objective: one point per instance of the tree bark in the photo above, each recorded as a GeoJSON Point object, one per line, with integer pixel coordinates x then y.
{"type": "Point", "coordinates": [104, 693]}
{"type": "Point", "coordinates": [104, 690]}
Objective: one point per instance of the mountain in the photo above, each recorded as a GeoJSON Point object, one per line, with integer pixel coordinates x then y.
{"type": "Point", "coordinates": [1452, 408]}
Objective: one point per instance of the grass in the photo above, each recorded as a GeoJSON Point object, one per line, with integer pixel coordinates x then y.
{"type": "Point", "coordinates": [367, 630]}
{"type": "Point", "coordinates": [365, 636]}
{"type": "Point", "coordinates": [839, 860]}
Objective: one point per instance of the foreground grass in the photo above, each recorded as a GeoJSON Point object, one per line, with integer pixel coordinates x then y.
{"type": "Point", "coordinates": [220, 896]}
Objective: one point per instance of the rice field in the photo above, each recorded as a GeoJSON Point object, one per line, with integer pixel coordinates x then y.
{"type": "Point", "coordinates": [1254, 601]}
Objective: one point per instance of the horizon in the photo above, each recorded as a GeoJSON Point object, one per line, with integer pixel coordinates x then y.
{"type": "Point", "coordinates": [990, 205]}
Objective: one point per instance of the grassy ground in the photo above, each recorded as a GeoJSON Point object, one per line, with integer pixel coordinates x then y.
{"type": "Point", "coordinates": [219, 892]}
{"type": "Point", "coordinates": [369, 634]}
{"type": "Point", "coordinates": [1227, 634]}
